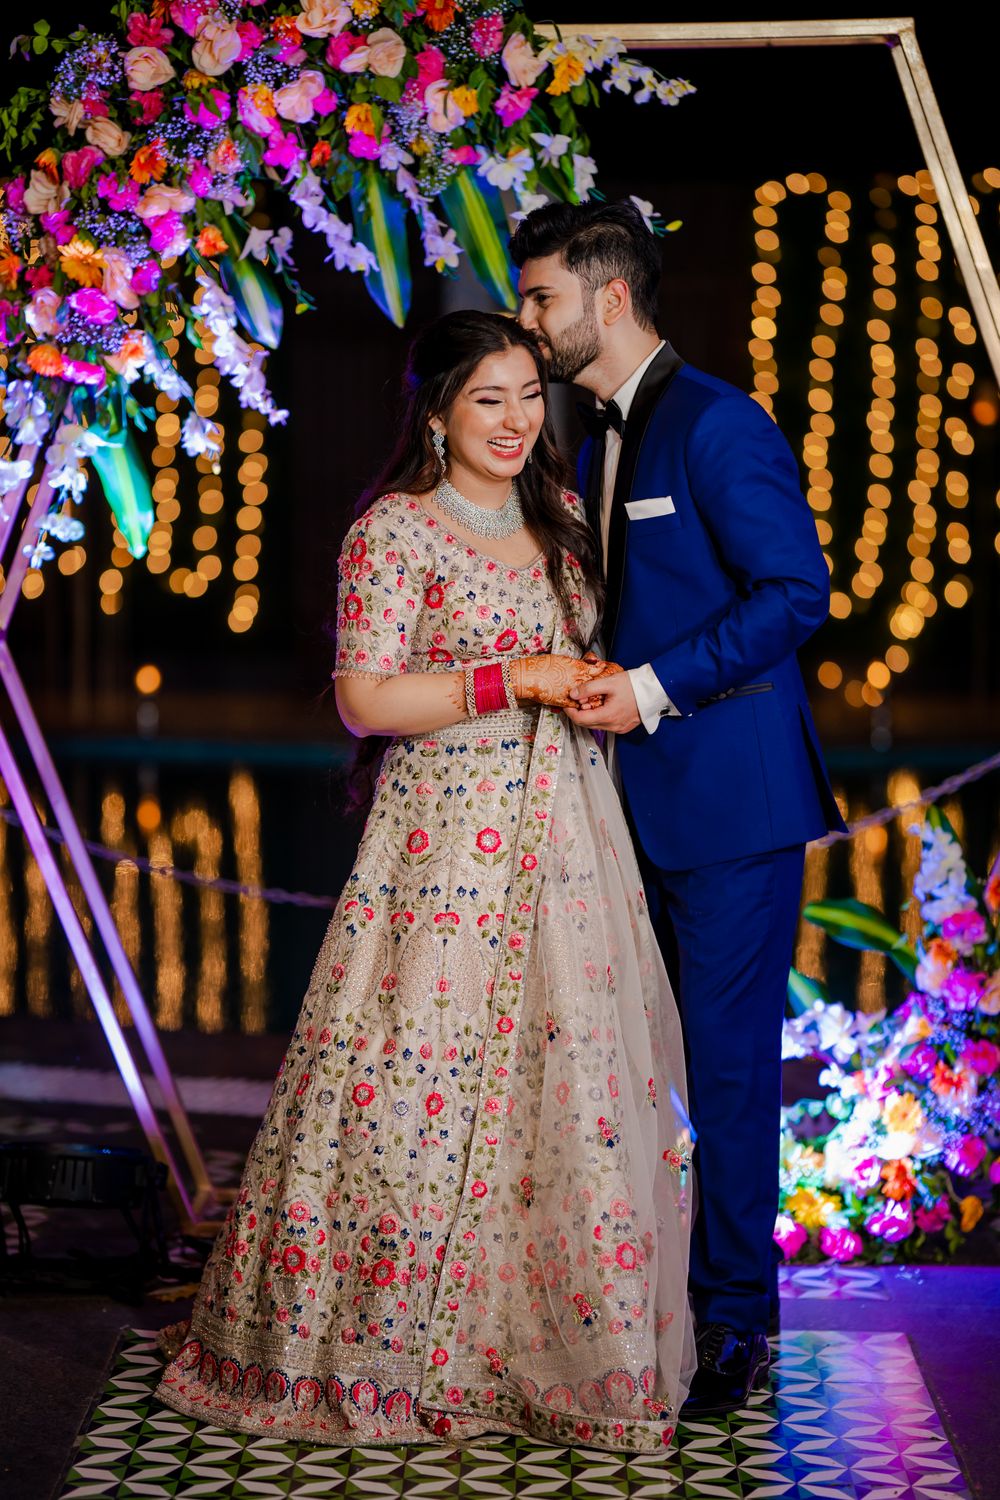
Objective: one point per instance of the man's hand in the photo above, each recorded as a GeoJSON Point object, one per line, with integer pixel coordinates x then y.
{"type": "Point", "coordinates": [618, 712]}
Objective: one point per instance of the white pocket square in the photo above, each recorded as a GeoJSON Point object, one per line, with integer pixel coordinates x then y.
{"type": "Point", "coordinates": [644, 510]}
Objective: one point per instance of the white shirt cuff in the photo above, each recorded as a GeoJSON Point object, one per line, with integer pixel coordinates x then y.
{"type": "Point", "coordinates": [651, 701]}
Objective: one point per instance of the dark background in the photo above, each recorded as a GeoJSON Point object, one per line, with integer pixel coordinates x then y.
{"type": "Point", "coordinates": [759, 113]}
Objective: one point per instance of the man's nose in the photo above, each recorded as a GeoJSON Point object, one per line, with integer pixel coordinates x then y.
{"type": "Point", "coordinates": [526, 316]}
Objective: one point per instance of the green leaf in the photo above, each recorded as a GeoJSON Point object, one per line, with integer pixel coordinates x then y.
{"type": "Point", "coordinates": [857, 925]}
{"type": "Point", "coordinates": [380, 223]}
{"type": "Point", "coordinates": [252, 288]}
{"type": "Point", "coordinates": [39, 44]}
{"type": "Point", "coordinates": [43, 28]}
{"type": "Point", "coordinates": [390, 89]}
{"type": "Point", "coordinates": [123, 478]}
{"type": "Point", "coordinates": [475, 211]}
{"type": "Point", "coordinates": [803, 992]}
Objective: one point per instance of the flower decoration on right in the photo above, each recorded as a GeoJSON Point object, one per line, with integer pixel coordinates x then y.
{"type": "Point", "coordinates": [901, 1158]}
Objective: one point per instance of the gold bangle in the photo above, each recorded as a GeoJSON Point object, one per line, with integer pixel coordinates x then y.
{"type": "Point", "coordinates": [470, 693]}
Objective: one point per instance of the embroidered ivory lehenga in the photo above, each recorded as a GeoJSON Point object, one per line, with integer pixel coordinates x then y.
{"type": "Point", "coordinates": [467, 1207]}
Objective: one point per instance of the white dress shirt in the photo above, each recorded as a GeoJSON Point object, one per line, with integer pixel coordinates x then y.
{"type": "Point", "coordinates": [651, 700]}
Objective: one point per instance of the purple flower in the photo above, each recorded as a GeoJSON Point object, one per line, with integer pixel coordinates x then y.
{"type": "Point", "coordinates": [58, 225]}
{"type": "Point", "coordinates": [168, 234]}
{"type": "Point", "coordinates": [995, 1172]}
{"type": "Point", "coordinates": [932, 1219]}
{"type": "Point", "coordinates": [867, 1174]}
{"type": "Point", "coordinates": [8, 310]}
{"type": "Point", "coordinates": [283, 149]}
{"type": "Point", "coordinates": [364, 146]}
{"type": "Point", "coordinates": [121, 198]}
{"type": "Point", "coordinates": [83, 372]}
{"type": "Point", "coordinates": [892, 1222]}
{"type": "Point", "coordinates": [15, 194]}
{"type": "Point", "coordinates": [146, 278]}
{"type": "Point", "coordinates": [93, 305]}
{"type": "Point", "coordinates": [966, 1157]}
{"type": "Point", "coordinates": [921, 1062]}
{"type": "Point", "coordinates": [962, 989]}
{"type": "Point", "coordinates": [840, 1244]}
{"type": "Point", "coordinates": [199, 179]}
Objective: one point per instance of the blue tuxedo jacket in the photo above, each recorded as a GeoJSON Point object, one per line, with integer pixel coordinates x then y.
{"type": "Point", "coordinates": [716, 595]}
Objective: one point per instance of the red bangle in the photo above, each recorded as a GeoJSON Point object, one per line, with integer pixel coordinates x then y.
{"type": "Point", "coordinates": [490, 689]}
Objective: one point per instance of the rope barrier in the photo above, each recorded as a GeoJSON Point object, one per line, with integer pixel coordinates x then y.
{"type": "Point", "coordinates": [278, 897]}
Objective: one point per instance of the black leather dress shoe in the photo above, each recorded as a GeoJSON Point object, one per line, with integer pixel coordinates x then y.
{"type": "Point", "coordinates": [730, 1366]}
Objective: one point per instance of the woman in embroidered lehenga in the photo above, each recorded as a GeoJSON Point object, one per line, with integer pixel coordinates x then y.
{"type": "Point", "coordinates": [467, 1208]}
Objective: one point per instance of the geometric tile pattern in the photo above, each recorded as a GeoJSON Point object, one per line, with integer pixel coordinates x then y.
{"type": "Point", "coordinates": [849, 1419]}
{"type": "Point", "coordinates": [843, 1283]}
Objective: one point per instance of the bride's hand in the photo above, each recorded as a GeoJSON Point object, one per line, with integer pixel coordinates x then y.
{"type": "Point", "coordinates": [550, 679]}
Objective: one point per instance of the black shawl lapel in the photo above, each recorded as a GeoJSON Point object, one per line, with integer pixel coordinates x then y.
{"type": "Point", "coordinates": [652, 386]}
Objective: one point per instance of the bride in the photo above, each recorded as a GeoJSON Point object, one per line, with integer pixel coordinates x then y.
{"type": "Point", "coordinates": [467, 1208]}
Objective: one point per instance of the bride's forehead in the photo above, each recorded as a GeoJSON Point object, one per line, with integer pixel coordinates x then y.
{"type": "Point", "coordinates": [512, 369]}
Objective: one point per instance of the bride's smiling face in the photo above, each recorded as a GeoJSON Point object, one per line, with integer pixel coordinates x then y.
{"type": "Point", "coordinates": [494, 421]}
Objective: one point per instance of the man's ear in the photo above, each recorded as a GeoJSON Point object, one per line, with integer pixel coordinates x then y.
{"type": "Point", "coordinates": [617, 300]}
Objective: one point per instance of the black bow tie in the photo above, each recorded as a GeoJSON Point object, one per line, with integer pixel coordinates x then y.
{"type": "Point", "coordinates": [597, 419]}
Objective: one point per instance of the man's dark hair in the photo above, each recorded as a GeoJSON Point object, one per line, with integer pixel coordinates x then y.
{"type": "Point", "coordinates": [598, 242]}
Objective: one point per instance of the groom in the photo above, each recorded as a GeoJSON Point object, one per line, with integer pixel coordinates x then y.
{"type": "Point", "coordinates": [714, 578]}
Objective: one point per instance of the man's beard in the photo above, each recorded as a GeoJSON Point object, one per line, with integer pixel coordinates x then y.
{"type": "Point", "coordinates": [578, 346]}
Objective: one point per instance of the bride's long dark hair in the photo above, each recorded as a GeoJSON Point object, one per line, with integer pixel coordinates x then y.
{"type": "Point", "coordinates": [442, 359]}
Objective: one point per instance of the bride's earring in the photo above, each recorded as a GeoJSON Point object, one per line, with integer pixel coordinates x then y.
{"type": "Point", "coordinates": [437, 438]}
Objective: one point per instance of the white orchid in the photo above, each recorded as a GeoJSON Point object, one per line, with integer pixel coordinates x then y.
{"type": "Point", "coordinates": [646, 209]}
{"type": "Point", "coordinates": [621, 76]}
{"type": "Point", "coordinates": [527, 203]}
{"type": "Point", "coordinates": [441, 247]}
{"type": "Point", "coordinates": [584, 174]}
{"type": "Point", "coordinates": [201, 437]}
{"type": "Point", "coordinates": [13, 471]}
{"type": "Point", "coordinates": [553, 146]}
{"type": "Point", "coordinates": [507, 171]}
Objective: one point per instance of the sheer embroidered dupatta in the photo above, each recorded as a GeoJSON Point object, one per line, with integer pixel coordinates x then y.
{"type": "Point", "coordinates": [563, 1296]}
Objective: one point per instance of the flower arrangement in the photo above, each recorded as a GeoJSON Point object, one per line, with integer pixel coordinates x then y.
{"type": "Point", "coordinates": [900, 1159]}
{"type": "Point", "coordinates": [367, 114]}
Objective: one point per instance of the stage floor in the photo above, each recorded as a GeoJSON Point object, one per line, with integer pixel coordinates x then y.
{"type": "Point", "coordinates": [887, 1380]}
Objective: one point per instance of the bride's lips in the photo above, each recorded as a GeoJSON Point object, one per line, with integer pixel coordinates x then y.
{"type": "Point", "coordinates": [506, 450]}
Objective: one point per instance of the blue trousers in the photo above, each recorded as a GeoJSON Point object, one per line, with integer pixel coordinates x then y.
{"type": "Point", "coordinates": [727, 931]}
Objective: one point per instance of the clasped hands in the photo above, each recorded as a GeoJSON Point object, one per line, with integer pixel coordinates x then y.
{"type": "Point", "coordinates": [593, 693]}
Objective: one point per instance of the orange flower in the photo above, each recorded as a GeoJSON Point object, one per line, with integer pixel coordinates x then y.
{"type": "Point", "coordinates": [971, 1209]}
{"type": "Point", "coordinates": [9, 267]}
{"type": "Point", "coordinates": [225, 157]}
{"type": "Point", "coordinates": [83, 261]}
{"type": "Point", "coordinates": [210, 242]}
{"type": "Point", "coordinates": [359, 120]}
{"type": "Point", "coordinates": [262, 99]}
{"type": "Point", "coordinates": [902, 1112]}
{"type": "Point", "coordinates": [47, 161]}
{"type": "Point", "coordinates": [940, 951]}
{"type": "Point", "coordinates": [320, 154]}
{"type": "Point", "coordinates": [993, 892]}
{"type": "Point", "coordinates": [568, 71]}
{"type": "Point", "coordinates": [946, 1080]}
{"type": "Point", "coordinates": [900, 1183]}
{"type": "Point", "coordinates": [194, 79]}
{"type": "Point", "coordinates": [45, 359]}
{"type": "Point", "coordinates": [286, 30]}
{"type": "Point", "coordinates": [149, 164]}
{"type": "Point", "coordinates": [438, 14]}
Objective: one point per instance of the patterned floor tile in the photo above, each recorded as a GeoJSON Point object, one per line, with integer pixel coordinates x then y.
{"type": "Point", "coordinates": [850, 1419]}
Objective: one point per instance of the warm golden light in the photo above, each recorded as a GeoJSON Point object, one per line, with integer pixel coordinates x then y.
{"type": "Point", "coordinates": [148, 679]}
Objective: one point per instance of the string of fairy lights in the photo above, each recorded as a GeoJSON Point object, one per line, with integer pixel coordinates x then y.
{"type": "Point", "coordinates": [927, 505]}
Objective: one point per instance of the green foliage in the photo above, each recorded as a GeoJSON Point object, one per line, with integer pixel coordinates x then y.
{"type": "Point", "coordinates": [854, 924]}
{"type": "Point", "coordinates": [21, 120]}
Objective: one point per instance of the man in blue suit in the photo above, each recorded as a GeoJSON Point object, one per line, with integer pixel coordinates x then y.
{"type": "Point", "coordinates": [714, 578]}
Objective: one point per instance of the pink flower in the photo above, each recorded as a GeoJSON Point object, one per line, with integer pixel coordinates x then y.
{"type": "Point", "coordinates": [964, 929]}
{"type": "Point", "coordinates": [982, 1057]}
{"type": "Point", "coordinates": [15, 194]}
{"type": "Point", "coordinates": [168, 234]}
{"type": "Point", "coordinates": [462, 156]}
{"type": "Point", "coordinates": [82, 372]}
{"type": "Point", "coordinates": [199, 179]}
{"type": "Point", "coordinates": [188, 13]}
{"type": "Point", "coordinates": [891, 1222]}
{"type": "Point", "coordinates": [150, 104]}
{"type": "Point", "coordinates": [93, 305]}
{"type": "Point", "coordinates": [921, 1062]}
{"type": "Point", "coordinates": [340, 48]}
{"type": "Point", "coordinates": [522, 63]}
{"type": "Point", "coordinates": [962, 989]}
{"type": "Point", "coordinates": [78, 165]}
{"type": "Point", "coordinates": [487, 34]}
{"type": "Point", "coordinates": [995, 1172]}
{"type": "Point", "coordinates": [251, 36]}
{"type": "Point", "coordinates": [488, 840]}
{"type": "Point", "coordinates": [122, 197]}
{"type": "Point", "coordinates": [146, 278]}
{"type": "Point", "coordinates": [867, 1174]}
{"type": "Point", "coordinates": [789, 1236]}
{"type": "Point", "coordinates": [932, 1219]}
{"type": "Point", "coordinates": [430, 67]}
{"type": "Point", "coordinates": [148, 31]}
{"type": "Point", "coordinates": [965, 1158]}
{"type": "Point", "coordinates": [417, 841]}
{"type": "Point", "coordinates": [283, 150]}
{"type": "Point", "coordinates": [840, 1244]}
{"type": "Point", "coordinates": [209, 110]}
{"type": "Point", "coordinates": [513, 104]}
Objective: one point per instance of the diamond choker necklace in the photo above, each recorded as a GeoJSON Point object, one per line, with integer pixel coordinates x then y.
{"type": "Point", "coordinates": [482, 520]}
